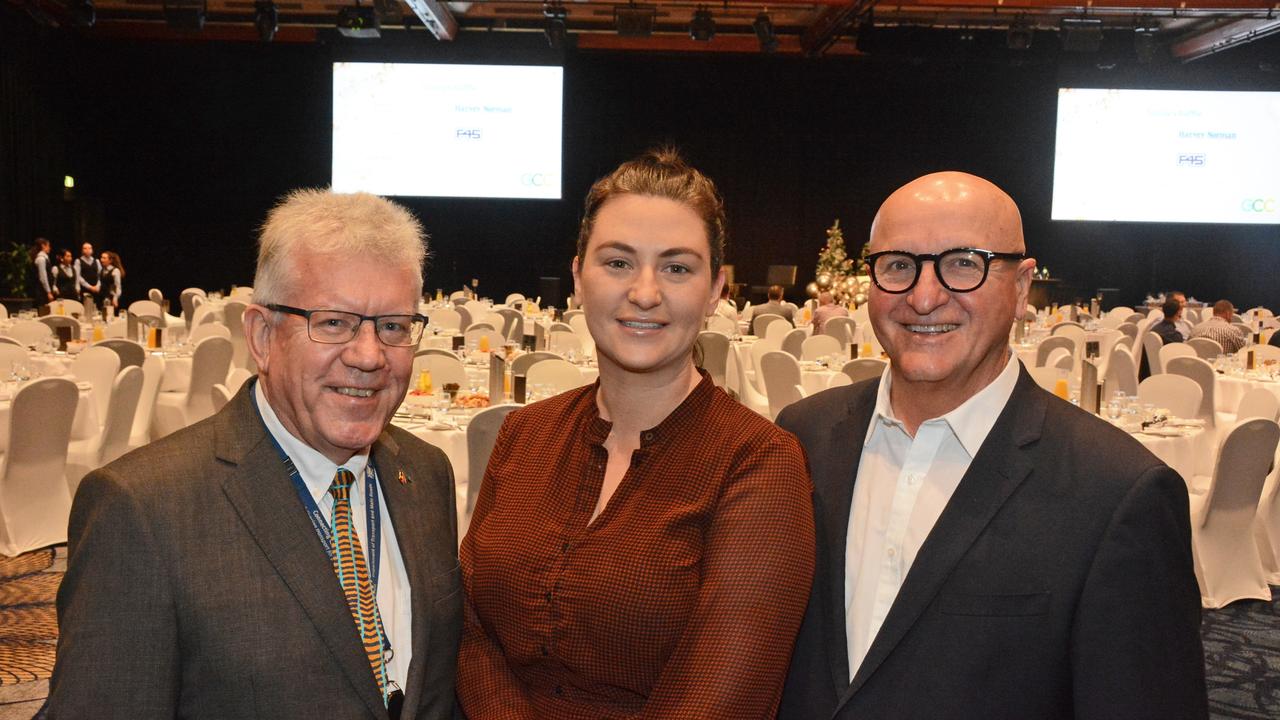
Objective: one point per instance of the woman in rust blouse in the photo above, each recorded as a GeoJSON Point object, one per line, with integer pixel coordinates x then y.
{"type": "Point", "coordinates": [641, 547]}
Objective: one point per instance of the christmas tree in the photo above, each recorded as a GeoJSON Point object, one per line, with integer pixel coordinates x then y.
{"type": "Point", "coordinates": [835, 271]}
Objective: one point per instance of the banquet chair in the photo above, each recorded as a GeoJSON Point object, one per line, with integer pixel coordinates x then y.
{"type": "Point", "coordinates": [464, 318]}
{"type": "Point", "coordinates": [744, 312]}
{"type": "Point", "coordinates": [1122, 373]}
{"type": "Point", "coordinates": [31, 333]}
{"type": "Point", "coordinates": [713, 349]}
{"type": "Point", "coordinates": [233, 318]}
{"type": "Point", "coordinates": [444, 369]}
{"type": "Point", "coordinates": [98, 365]}
{"type": "Point", "coordinates": [569, 315]}
{"type": "Point", "coordinates": [1201, 372]}
{"type": "Point", "coordinates": [1124, 341]}
{"type": "Point", "coordinates": [844, 329]}
{"type": "Point", "coordinates": [185, 301]}
{"type": "Point", "coordinates": [777, 330]}
{"type": "Point", "coordinates": [237, 378]}
{"type": "Point", "coordinates": [457, 295]}
{"type": "Point", "coordinates": [513, 298]}
{"type": "Point", "coordinates": [838, 379]}
{"type": "Point", "coordinates": [563, 342]}
{"type": "Point", "coordinates": [1173, 350]}
{"type": "Point", "coordinates": [559, 327]}
{"type": "Point", "coordinates": [152, 375]}
{"type": "Point", "coordinates": [781, 371]}
{"type": "Point", "coordinates": [793, 342]}
{"type": "Point", "coordinates": [1060, 359]}
{"type": "Point", "coordinates": [820, 346]}
{"type": "Point", "coordinates": [1136, 318]}
{"type": "Point", "coordinates": [495, 320]}
{"type": "Point", "coordinates": [1030, 312]}
{"type": "Point", "coordinates": [155, 296]}
{"type": "Point", "coordinates": [520, 366]}
{"type": "Point", "coordinates": [56, 321]}
{"type": "Point", "coordinates": [436, 351]}
{"type": "Point", "coordinates": [1063, 327]}
{"type": "Point", "coordinates": [477, 309]}
{"type": "Point", "coordinates": [445, 319]}
{"type": "Point", "coordinates": [70, 308]}
{"type": "Point", "coordinates": [579, 324]}
{"type": "Point", "coordinates": [4, 312]}
{"type": "Point", "coordinates": [1204, 347]}
{"type": "Point", "coordinates": [1076, 333]}
{"type": "Point", "coordinates": [1129, 329]}
{"type": "Point", "coordinates": [84, 456]}
{"type": "Point", "coordinates": [1048, 345]}
{"type": "Point", "coordinates": [210, 364]}
{"type": "Point", "coordinates": [722, 325]}
{"type": "Point", "coordinates": [757, 350]}
{"type": "Point", "coordinates": [148, 312]}
{"type": "Point", "coordinates": [242, 291]}
{"type": "Point", "coordinates": [219, 396]}
{"type": "Point", "coordinates": [748, 394]}
{"type": "Point", "coordinates": [1046, 377]}
{"type": "Point", "coordinates": [1151, 344]}
{"type": "Point", "coordinates": [482, 433]}
{"type": "Point", "coordinates": [204, 314]}
{"type": "Point", "coordinates": [6, 340]}
{"type": "Point", "coordinates": [131, 352]}
{"type": "Point", "coordinates": [210, 329]}
{"type": "Point", "coordinates": [1258, 403]}
{"type": "Point", "coordinates": [1228, 564]}
{"type": "Point", "coordinates": [1243, 327]}
{"type": "Point", "coordinates": [561, 375]}
{"type": "Point", "coordinates": [1181, 395]}
{"type": "Point", "coordinates": [512, 324]}
{"type": "Point", "coordinates": [760, 323]}
{"type": "Point", "coordinates": [1261, 353]}
{"type": "Point", "coordinates": [11, 353]}
{"type": "Point", "coordinates": [1120, 311]}
{"type": "Point", "coordinates": [864, 369]}
{"type": "Point", "coordinates": [117, 328]}
{"type": "Point", "coordinates": [35, 504]}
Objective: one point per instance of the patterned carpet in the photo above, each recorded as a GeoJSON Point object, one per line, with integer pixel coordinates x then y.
{"type": "Point", "coordinates": [1241, 642]}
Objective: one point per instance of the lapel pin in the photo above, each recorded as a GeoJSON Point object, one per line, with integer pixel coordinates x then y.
{"type": "Point", "coordinates": [402, 478]}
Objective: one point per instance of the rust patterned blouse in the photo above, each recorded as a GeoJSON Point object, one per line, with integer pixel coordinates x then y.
{"type": "Point", "coordinates": [681, 600]}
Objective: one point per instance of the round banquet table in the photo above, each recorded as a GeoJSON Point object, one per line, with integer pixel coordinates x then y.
{"type": "Point", "coordinates": [1230, 389]}
{"type": "Point", "coordinates": [85, 425]}
{"type": "Point", "coordinates": [1189, 451]}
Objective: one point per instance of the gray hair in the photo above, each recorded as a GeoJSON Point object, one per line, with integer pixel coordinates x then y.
{"type": "Point", "coordinates": [322, 222]}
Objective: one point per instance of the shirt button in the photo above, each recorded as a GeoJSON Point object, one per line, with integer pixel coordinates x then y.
{"type": "Point", "coordinates": [559, 691]}
{"type": "Point", "coordinates": [913, 479]}
{"type": "Point", "coordinates": [893, 552]}
{"type": "Point", "coordinates": [648, 437]}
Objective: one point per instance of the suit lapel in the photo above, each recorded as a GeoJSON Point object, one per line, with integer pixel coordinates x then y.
{"type": "Point", "coordinates": [836, 477]}
{"type": "Point", "coordinates": [996, 471]}
{"type": "Point", "coordinates": [265, 499]}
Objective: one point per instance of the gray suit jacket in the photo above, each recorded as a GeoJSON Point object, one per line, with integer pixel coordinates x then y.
{"type": "Point", "coordinates": [196, 587]}
{"type": "Point", "coordinates": [1057, 583]}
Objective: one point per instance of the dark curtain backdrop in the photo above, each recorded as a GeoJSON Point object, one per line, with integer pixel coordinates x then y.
{"type": "Point", "coordinates": [180, 148]}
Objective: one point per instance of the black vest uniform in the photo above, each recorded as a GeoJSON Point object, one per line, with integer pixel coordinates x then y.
{"type": "Point", "coordinates": [64, 279]}
{"type": "Point", "coordinates": [108, 284]}
{"type": "Point", "coordinates": [36, 289]}
{"type": "Point", "coordinates": [89, 273]}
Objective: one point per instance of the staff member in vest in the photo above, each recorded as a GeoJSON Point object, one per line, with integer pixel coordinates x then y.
{"type": "Point", "coordinates": [64, 276]}
{"type": "Point", "coordinates": [650, 558]}
{"type": "Point", "coordinates": [89, 273]}
{"type": "Point", "coordinates": [294, 556]}
{"type": "Point", "coordinates": [112, 278]}
{"type": "Point", "coordinates": [38, 287]}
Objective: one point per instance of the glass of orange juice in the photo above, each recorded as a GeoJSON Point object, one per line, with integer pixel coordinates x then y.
{"type": "Point", "coordinates": [98, 333]}
{"type": "Point", "coordinates": [866, 349]}
{"type": "Point", "coordinates": [1061, 389]}
{"type": "Point", "coordinates": [484, 343]}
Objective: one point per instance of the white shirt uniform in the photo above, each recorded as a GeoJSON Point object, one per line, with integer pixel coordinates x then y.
{"type": "Point", "coordinates": [903, 485]}
{"type": "Point", "coordinates": [393, 596]}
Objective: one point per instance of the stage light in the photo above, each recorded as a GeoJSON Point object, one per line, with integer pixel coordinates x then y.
{"type": "Point", "coordinates": [266, 18]}
{"type": "Point", "coordinates": [634, 20]}
{"type": "Point", "coordinates": [358, 21]}
{"type": "Point", "coordinates": [1081, 35]}
{"type": "Point", "coordinates": [83, 13]}
{"type": "Point", "coordinates": [1020, 34]}
{"type": "Point", "coordinates": [556, 28]}
{"type": "Point", "coordinates": [703, 27]}
{"type": "Point", "coordinates": [185, 14]}
{"type": "Point", "coordinates": [765, 33]}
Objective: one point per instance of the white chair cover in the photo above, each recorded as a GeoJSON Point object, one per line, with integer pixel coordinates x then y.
{"type": "Point", "coordinates": [98, 365]}
{"type": "Point", "coordinates": [864, 369]}
{"type": "Point", "coordinates": [444, 369]}
{"type": "Point", "coordinates": [1049, 344]}
{"type": "Point", "coordinates": [562, 343]}
{"type": "Point", "coordinates": [10, 354]}
{"type": "Point", "coordinates": [714, 347]}
{"type": "Point", "coordinates": [561, 375]}
{"type": "Point", "coordinates": [1151, 343]}
{"type": "Point", "coordinates": [237, 378]}
{"type": "Point", "coordinates": [1173, 350]}
{"type": "Point", "coordinates": [210, 329]}
{"type": "Point", "coordinates": [1181, 395]}
{"type": "Point", "coordinates": [838, 379]}
{"type": "Point", "coordinates": [793, 341]}
{"type": "Point", "coordinates": [482, 433]}
{"type": "Point", "coordinates": [473, 335]}
{"type": "Point", "coordinates": [148, 312]}
{"type": "Point", "coordinates": [520, 366]}
{"type": "Point", "coordinates": [760, 323]}
{"type": "Point", "coordinates": [1202, 372]}
{"type": "Point", "coordinates": [820, 346]}
{"type": "Point", "coordinates": [513, 298]}
{"type": "Point", "coordinates": [131, 352]}
{"type": "Point", "coordinates": [844, 329]}
{"type": "Point", "coordinates": [1204, 347]}
{"type": "Point", "coordinates": [782, 382]}
{"type": "Point", "coordinates": [31, 333]}
{"type": "Point", "coordinates": [210, 364]}
{"type": "Point", "coordinates": [152, 374]}
{"type": "Point", "coordinates": [1258, 403]}
{"type": "Point", "coordinates": [69, 307]}
{"type": "Point", "coordinates": [92, 453]}
{"type": "Point", "coordinates": [34, 501]}
{"type": "Point", "coordinates": [233, 318]}
{"type": "Point", "coordinates": [748, 395]}
{"type": "Point", "coordinates": [1227, 563]}
{"type": "Point", "coordinates": [720, 324]}
{"type": "Point", "coordinates": [445, 319]}
{"type": "Point", "coordinates": [219, 396]}
{"type": "Point", "coordinates": [1122, 373]}
{"type": "Point", "coordinates": [756, 351]}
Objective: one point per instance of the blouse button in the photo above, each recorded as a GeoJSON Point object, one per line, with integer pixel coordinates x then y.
{"type": "Point", "coordinates": [564, 547]}
{"type": "Point", "coordinates": [648, 437]}
{"type": "Point", "coordinates": [559, 691]}
{"type": "Point", "coordinates": [548, 596]}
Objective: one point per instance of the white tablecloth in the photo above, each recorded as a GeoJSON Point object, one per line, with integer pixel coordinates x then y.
{"type": "Point", "coordinates": [1189, 454]}
{"type": "Point", "coordinates": [1230, 389]}
{"type": "Point", "coordinates": [85, 425]}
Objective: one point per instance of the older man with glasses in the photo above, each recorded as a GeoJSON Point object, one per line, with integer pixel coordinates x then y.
{"type": "Point", "coordinates": [986, 550]}
{"type": "Point", "coordinates": [293, 556]}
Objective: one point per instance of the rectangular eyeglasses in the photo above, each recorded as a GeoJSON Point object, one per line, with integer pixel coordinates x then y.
{"type": "Point", "coordinates": [335, 327]}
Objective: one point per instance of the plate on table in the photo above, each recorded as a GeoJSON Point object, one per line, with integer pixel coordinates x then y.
{"type": "Point", "coordinates": [83, 385]}
{"type": "Point", "coordinates": [1163, 432]}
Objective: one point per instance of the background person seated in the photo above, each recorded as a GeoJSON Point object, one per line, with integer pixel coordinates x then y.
{"type": "Point", "coordinates": [1167, 328]}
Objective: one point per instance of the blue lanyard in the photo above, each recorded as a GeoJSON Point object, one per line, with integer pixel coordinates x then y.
{"type": "Point", "coordinates": [373, 525]}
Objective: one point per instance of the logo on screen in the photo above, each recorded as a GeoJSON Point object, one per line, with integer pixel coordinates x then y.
{"type": "Point", "coordinates": [467, 134]}
{"type": "Point", "coordinates": [537, 179]}
{"type": "Point", "coordinates": [1258, 205]}
{"type": "Point", "coordinates": [1191, 160]}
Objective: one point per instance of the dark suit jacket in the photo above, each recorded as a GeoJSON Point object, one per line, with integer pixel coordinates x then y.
{"type": "Point", "coordinates": [1057, 583]}
{"type": "Point", "coordinates": [1168, 332]}
{"type": "Point", "coordinates": [196, 587]}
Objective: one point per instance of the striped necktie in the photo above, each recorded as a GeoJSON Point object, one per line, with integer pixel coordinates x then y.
{"type": "Point", "coordinates": [353, 574]}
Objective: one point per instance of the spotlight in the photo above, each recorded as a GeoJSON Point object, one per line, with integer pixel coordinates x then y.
{"type": "Point", "coordinates": [633, 20]}
{"type": "Point", "coordinates": [1081, 35]}
{"type": "Point", "coordinates": [703, 27]}
{"type": "Point", "coordinates": [83, 13]}
{"type": "Point", "coordinates": [358, 21]}
{"type": "Point", "coordinates": [1020, 34]}
{"type": "Point", "coordinates": [266, 18]}
{"type": "Point", "coordinates": [556, 28]}
{"type": "Point", "coordinates": [765, 33]}
{"type": "Point", "coordinates": [184, 14]}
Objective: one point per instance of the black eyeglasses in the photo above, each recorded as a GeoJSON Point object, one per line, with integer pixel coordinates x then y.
{"type": "Point", "coordinates": [959, 270]}
{"type": "Point", "coordinates": [335, 327]}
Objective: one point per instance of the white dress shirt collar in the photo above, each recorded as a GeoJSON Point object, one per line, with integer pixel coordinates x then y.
{"type": "Point", "coordinates": [317, 471]}
{"type": "Point", "coordinates": [971, 422]}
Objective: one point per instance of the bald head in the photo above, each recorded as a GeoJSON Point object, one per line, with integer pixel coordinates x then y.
{"type": "Point", "coordinates": [961, 208]}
